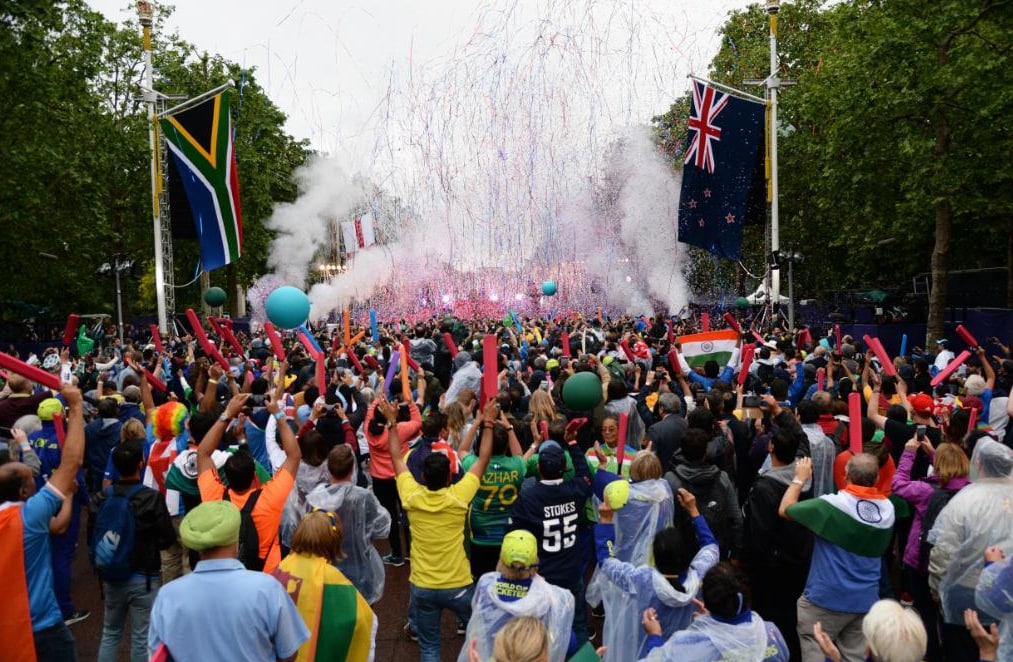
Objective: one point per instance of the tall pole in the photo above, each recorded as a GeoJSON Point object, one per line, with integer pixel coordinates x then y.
{"type": "Point", "coordinates": [145, 12]}
{"type": "Point", "coordinates": [773, 85]}
{"type": "Point", "coordinates": [117, 263]}
{"type": "Point", "coordinates": [791, 294]}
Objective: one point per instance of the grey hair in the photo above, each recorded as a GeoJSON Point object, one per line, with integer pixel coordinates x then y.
{"type": "Point", "coordinates": [863, 470]}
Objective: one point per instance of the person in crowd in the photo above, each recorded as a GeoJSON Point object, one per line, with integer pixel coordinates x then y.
{"type": "Point", "coordinates": [515, 589]}
{"type": "Point", "coordinates": [342, 624]}
{"type": "Point", "coordinates": [101, 436]}
{"type": "Point", "coordinates": [440, 576]}
{"type": "Point", "coordinates": [18, 399]}
{"type": "Point", "coordinates": [363, 519]}
{"type": "Point", "coordinates": [667, 434]}
{"type": "Point", "coordinates": [892, 633]}
{"type": "Point", "coordinates": [609, 448]}
{"type": "Point", "coordinates": [153, 531]}
{"type": "Point", "coordinates": [820, 445]}
{"type": "Point", "coordinates": [852, 530]}
{"type": "Point", "coordinates": [727, 630]}
{"type": "Point", "coordinates": [522, 639]}
{"type": "Point", "coordinates": [194, 617]}
{"type": "Point", "coordinates": [994, 596]}
{"type": "Point", "coordinates": [976, 518]}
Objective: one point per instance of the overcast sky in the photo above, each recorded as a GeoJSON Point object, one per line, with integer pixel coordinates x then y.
{"type": "Point", "coordinates": [335, 67]}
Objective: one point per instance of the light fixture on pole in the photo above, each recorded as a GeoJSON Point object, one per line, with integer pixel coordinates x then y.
{"type": "Point", "coordinates": [792, 258]}
{"type": "Point", "coordinates": [119, 264]}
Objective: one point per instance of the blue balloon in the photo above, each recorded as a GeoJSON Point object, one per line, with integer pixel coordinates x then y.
{"type": "Point", "coordinates": [549, 288]}
{"type": "Point", "coordinates": [287, 307]}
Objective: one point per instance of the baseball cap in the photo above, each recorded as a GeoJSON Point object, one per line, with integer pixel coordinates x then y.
{"type": "Point", "coordinates": [551, 461]}
{"type": "Point", "coordinates": [551, 363]}
{"type": "Point", "coordinates": [519, 548]}
{"type": "Point", "coordinates": [921, 403]}
{"type": "Point", "coordinates": [49, 407]}
{"type": "Point", "coordinates": [617, 494]}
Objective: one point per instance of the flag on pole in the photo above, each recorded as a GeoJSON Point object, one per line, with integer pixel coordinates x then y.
{"type": "Point", "coordinates": [698, 348]}
{"type": "Point", "coordinates": [723, 176]}
{"type": "Point", "coordinates": [203, 180]}
{"type": "Point", "coordinates": [358, 234]}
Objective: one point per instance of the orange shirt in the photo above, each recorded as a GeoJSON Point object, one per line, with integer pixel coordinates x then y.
{"type": "Point", "coordinates": [266, 514]}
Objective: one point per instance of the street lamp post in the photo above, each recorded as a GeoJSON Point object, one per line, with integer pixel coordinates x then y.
{"type": "Point", "coordinates": [792, 258]}
{"type": "Point", "coordinates": [119, 264]}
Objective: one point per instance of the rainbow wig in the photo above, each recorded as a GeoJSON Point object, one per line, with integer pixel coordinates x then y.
{"type": "Point", "coordinates": [168, 421]}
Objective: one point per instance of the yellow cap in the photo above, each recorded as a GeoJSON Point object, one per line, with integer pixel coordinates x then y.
{"type": "Point", "coordinates": [617, 493]}
{"type": "Point", "coordinates": [519, 548]}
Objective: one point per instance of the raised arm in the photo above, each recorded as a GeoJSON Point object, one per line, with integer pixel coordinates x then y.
{"type": "Point", "coordinates": [803, 472]}
{"type": "Point", "coordinates": [872, 408]}
{"type": "Point", "coordinates": [210, 441]}
{"type": "Point", "coordinates": [386, 409]}
{"type": "Point", "coordinates": [490, 413]}
{"type": "Point", "coordinates": [986, 366]}
{"type": "Point", "coordinates": [64, 476]}
{"type": "Point", "coordinates": [209, 397]}
{"type": "Point", "coordinates": [288, 441]}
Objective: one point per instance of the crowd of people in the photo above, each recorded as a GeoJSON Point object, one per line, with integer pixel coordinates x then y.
{"type": "Point", "coordinates": [247, 495]}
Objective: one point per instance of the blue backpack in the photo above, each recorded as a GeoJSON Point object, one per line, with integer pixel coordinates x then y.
{"type": "Point", "coordinates": [112, 542]}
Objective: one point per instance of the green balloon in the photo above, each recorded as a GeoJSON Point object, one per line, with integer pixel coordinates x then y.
{"type": "Point", "coordinates": [215, 296]}
{"type": "Point", "coordinates": [582, 391]}
{"type": "Point", "coordinates": [742, 302]}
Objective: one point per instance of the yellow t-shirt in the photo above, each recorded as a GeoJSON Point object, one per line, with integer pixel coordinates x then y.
{"type": "Point", "coordinates": [437, 527]}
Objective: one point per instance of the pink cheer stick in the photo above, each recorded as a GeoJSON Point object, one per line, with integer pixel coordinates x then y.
{"type": "Point", "coordinates": [943, 374]}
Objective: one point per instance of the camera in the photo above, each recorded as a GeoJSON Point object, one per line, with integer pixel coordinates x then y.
{"type": "Point", "coordinates": [751, 402]}
{"type": "Point", "coordinates": [256, 400]}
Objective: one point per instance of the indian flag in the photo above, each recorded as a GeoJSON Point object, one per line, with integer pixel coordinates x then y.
{"type": "Point", "coordinates": [16, 625]}
{"type": "Point", "coordinates": [699, 348]}
{"type": "Point", "coordinates": [858, 519]}
{"type": "Point", "coordinates": [341, 623]}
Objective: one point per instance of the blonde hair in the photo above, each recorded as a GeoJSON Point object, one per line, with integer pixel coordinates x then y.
{"type": "Point", "coordinates": [132, 429]}
{"type": "Point", "coordinates": [645, 466]}
{"type": "Point", "coordinates": [893, 633]}
{"type": "Point", "coordinates": [523, 639]}
{"type": "Point", "coordinates": [950, 462]}
{"type": "Point", "coordinates": [319, 534]}
{"type": "Point", "coordinates": [541, 407]}
{"type": "Point", "coordinates": [457, 418]}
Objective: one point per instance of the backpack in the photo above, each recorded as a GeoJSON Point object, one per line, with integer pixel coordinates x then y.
{"type": "Point", "coordinates": [940, 497]}
{"type": "Point", "coordinates": [710, 501]}
{"type": "Point", "coordinates": [249, 539]}
{"type": "Point", "coordinates": [114, 536]}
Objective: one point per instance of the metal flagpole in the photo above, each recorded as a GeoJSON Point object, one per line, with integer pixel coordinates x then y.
{"type": "Point", "coordinates": [773, 85]}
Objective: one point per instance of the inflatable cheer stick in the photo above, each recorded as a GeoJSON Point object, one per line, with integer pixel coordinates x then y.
{"type": "Point", "coordinates": [624, 422]}
{"type": "Point", "coordinates": [705, 322]}
{"type": "Point", "coordinates": [944, 374]}
{"type": "Point", "coordinates": [964, 334]}
{"type": "Point", "coordinates": [61, 429]}
{"type": "Point", "coordinates": [70, 330]}
{"type": "Point", "coordinates": [231, 337]}
{"type": "Point", "coordinates": [732, 323]}
{"type": "Point", "coordinates": [748, 352]}
{"type": "Point", "coordinates": [855, 421]}
{"type": "Point", "coordinates": [156, 338]}
{"type": "Point", "coordinates": [202, 338]}
{"type": "Point", "coordinates": [821, 377]}
{"type": "Point", "coordinates": [275, 340]}
{"type": "Point", "coordinates": [566, 345]}
{"type": "Point", "coordinates": [673, 362]}
{"type": "Point", "coordinates": [19, 367]}
{"type": "Point", "coordinates": [490, 365]}
{"type": "Point", "coordinates": [448, 340]}
{"type": "Point", "coordinates": [884, 359]}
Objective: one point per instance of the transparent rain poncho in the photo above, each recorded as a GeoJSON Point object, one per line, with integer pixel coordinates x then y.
{"type": "Point", "coordinates": [708, 639]}
{"type": "Point", "coordinates": [994, 596]}
{"type": "Point", "coordinates": [978, 516]}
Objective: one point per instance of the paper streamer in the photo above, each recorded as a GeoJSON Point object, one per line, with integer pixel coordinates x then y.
{"type": "Point", "coordinates": [903, 345]}
{"type": "Point", "coordinates": [624, 423]}
{"type": "Point", "coordinates": [275, 340]}
{"type": "Point", "coordinates": [732, 323]}
{"type": "Point", "coordinates": [395, 358]}
{"type": "Point", "coordinates": [448, 340]}
{"type": "Point", "coordinates": [156, 338]}
{"type": "Point", "coordinates": [855, 421]}
{"type": "Point", "coordinates": [944, 374]}
{"type": "Point", "coordinates": [962, 331]}
{"type": "Point", "coordinates": [673, 362]}
{"type": "Point", "coordinates": [748, 352]}
{"type": "Point", "coordinates": [70, 330]}
{"type": "Point", "coordinates": [705, 322]}
{"type": "Point", "coordinates": [406, 388]}
{"type": "Point", "coordinates": [202, 338]}
{"type": "Point", "coordinates": [566, 345]}
{"type": "Point", "coordinates": [884, 358]}
{"type": "Point", "coordinates": [490, 365]}
{"type": "Point", "coordinates": [373, 326]}
{"type": "Point", "coordinates": [61, 430]}
{"type": "Point", "coordinates": [821, 378]}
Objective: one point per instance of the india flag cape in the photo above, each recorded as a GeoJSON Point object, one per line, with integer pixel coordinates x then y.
{"type": "Point", "coordinates": [341, 623]}
{"type": "Point", "coordinates": [858, 519]}
{"type": "Point", "coordinates": [16, 624]}
{"type": "Point", "coordinates": [699, 348]}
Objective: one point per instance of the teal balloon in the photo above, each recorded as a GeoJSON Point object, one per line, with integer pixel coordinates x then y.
{"type": "Point", "coordinates": [287, 307]}
{"type": "Point", "coordinates": [215, 296]}
{"type": "Point", "coordinates": [742, 303]}
{"type": "Point", "coordinates": [549, 288]}
{"type": "Point", "coordinates": [582, 391]}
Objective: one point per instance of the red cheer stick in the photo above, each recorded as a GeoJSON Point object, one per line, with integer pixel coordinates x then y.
{"type": "Point", "coordinates": [732, 323]}
{"type": "Point", "coordinates": [748, 352]}
{"type": "Point", "coordinates": [371, 362]}
{"type": "Point", "coordinates": [275, 340]}
{"type": "Point", "coordinates": [355, 360]}
{"type": "Point", "coordinates": [61, 430]}
{"type": "Point", "coordinates": [448, 340]}
{"type": "Point", "coordinates": [624, 423]}
{"type": "Point", "coordinates": [215, 327]}
{"type": "Point", "coordinates": [705, 322]}
{"type": "Point", "coordinates": [202, 338]}
{"type": "Point", "coordinates": [972, 419]}
{"type": "Point", "coordinates": [321, 371]}
{"type": "Point", "coordinates": [308, 344]}
{"type": "Point", "coordinates": [490, 364]}
{"type": "Point", "coordinates": [673, 362]}
{"type": "Point", "coordinates": [154, 381]}
{"type": "Point", "coordinates": [627, 351]}
{"type": "Point", "coordinates": [543, 427]}
{"type": "Point", "coordinates": [231, 338]}
{"type": "Point", "coordinates": [944, 374]}
{"type": "Point", "coordinates": [884, 358]}
{"type": "Point", "coordinates": [821, 378]}
{"type": "Point", "coordinates": [671, 332]}
{"type": "Point", "coordinates": [406, 350]}
{"type": "Point", "coordinates": [855, 421]}
{"type": "Point", "coordinates": [156, 338]}
{"type": "Point", "coordinates": [837, 332]}
{"type": "Point", "coordinates": [758, 337]}
{"type": "Point", "coordinates": [566, 345]}
{"type": "Point", "coordinates": [70, 330]}
{"type": "Point", "coordinates": [19, 367]}
{"type": "Point", "coordinates": [962, 331]}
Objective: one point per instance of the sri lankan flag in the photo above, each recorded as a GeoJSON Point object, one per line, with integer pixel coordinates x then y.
{"type": "Point", "coordinates": [341, 623]}
{"type": "Point", "coordinates": [16, 625]}
{"type": "Point", "coordinates": [203, 181]}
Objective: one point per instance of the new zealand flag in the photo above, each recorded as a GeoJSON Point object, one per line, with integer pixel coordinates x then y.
{"type": "Point", "coordinates": [723, 184]}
